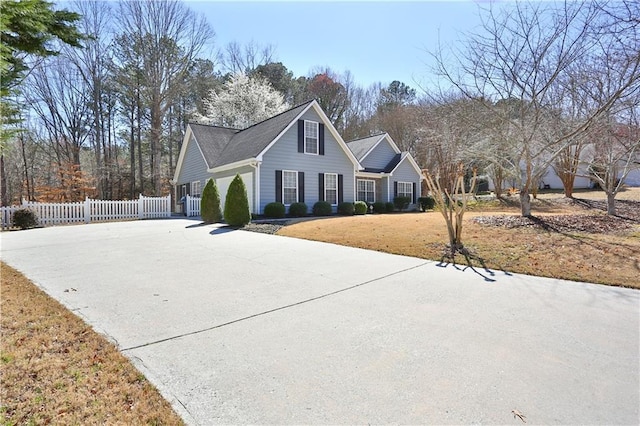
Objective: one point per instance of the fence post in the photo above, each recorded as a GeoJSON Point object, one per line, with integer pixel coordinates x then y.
{"type": "Point", "coordinates": [140, 207]}
{"type": "Point", "coordinates": [87, 210]}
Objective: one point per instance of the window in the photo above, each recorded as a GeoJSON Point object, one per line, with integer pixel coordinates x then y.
{"type": "Point", "coordinates": [310, 137]}
{"type": "Point", "coordinates": [195, 188]}
{"type": "Point", "coordinates": [331, 188]}
{"type": "Point", "coordinates": [405, 189]}
{"type": "Point", "coordinates": [289, 187]}
{"type": "Point", "coordinates": [366, 191]}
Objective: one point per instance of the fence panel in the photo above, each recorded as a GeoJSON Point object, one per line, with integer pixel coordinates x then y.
{"type": "Point", "coordinates": [155, 207]}
{"type": "Point", "coordinates": [92, 210]}
{"type": "Point", "coordinates": [192, 206]}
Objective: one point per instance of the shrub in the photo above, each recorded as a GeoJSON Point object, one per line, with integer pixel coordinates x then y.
{"type": "Point", "coordinates": [360, 207]}
{"type": "Point", "coordinates": [426, 203]}
{"type": "Point", "coordinates": [322, 208]}
{"type": "Point", "coordinates": [25, 219]}
{"type": "Point", "coordinates": [379, 207]}
{"type": "Point", "coordinates": [210, 203]}
{"type": "Point", "coordinates": [389, 207]}
{"type": "Point", "coordinates": [345, 209]}
{"type": "Point", "coordinates": [275, 210]}
{"type": "Point", "coordinates": [401, 203]}
{"type": "Point", "coordinates": [298, 210]}
{"type": "Point", "coordinates": [236, 206]}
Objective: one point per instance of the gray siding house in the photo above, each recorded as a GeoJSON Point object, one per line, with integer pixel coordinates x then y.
{"type": "Point", "coordinates": [295, 156]}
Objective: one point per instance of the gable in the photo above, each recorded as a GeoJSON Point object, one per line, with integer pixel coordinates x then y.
{"type": "Point", "coordinates": [380, 155]}
{"type": "Point", "coordinates": [191, 162]}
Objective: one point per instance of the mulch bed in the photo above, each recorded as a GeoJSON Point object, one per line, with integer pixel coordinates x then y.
{"type": "Point", "coordinates": [628, 215]}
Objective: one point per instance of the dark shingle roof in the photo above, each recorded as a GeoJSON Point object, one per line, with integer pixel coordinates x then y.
{"type": "Point", "coordinates": [360, 147]}
{"type": "Point", "coordinates": [212, 140]}
{"type": "Point", "coordinates": [390, 166]}
{"type": "Point", "coordinates": [222, 146]}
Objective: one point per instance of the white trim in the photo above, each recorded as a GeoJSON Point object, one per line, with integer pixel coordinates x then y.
{"type": "Point", "coordinates": [327, 125]}
{"type": "Point", "coordinates": [183, 153]}
{"type": "Point", "coordinates": [410, 186]}
{"type": "Point", "coordinates": [297, 186]}
{"type": "Point", "coordinates": [336, 188]}
{"type": "Point", "coordinates": [372, 175]}
{"type": "Point", "coordinates": [374, 189]}
{"type": "Point", "coordinates": [413, 163]}
{"type": "Point", "coordinates": [304, 137]}
{"type": "Point", "coordinates": [230, 166]}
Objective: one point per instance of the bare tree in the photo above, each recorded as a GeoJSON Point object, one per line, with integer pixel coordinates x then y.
{"type": "Point", "coordinates": [236, 59]}
{"type": "Point", "coordinates": [170, 37]}
{"type": "Point", "coordinates": [515, 67]}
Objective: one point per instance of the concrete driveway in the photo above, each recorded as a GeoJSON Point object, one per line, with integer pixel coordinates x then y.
{"type": "Point", "coordinates": [238, 327]}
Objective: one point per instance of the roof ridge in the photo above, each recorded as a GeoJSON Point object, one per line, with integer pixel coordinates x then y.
{"type": "Point", "coordinates": [214, 125]}
{"type": "Point", "coordinates": [367, 137]}
{"type": "Point", "coordinates": [277, 115]}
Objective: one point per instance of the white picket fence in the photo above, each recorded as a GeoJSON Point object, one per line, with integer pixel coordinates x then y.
{"type": "Point", "coordinates": [92, 210]}
{"type": "Point", "coordinates": [192, 206]}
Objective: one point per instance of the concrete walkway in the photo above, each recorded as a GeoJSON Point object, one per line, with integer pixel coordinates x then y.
{"type": "Point", "coordinates": [236, 327]}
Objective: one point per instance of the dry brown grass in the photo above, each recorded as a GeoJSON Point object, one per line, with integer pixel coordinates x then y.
{"type": "Point", "coordinates": [56, 370]}
{"type": "Point", "coordinates": [606, 258]}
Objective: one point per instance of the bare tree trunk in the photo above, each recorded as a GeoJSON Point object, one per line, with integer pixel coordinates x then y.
{"type": "Point", "coordinates": [611, 203]}
{"type": "Point", "coordinates": [156, 146]}
{"type": "Point", "coordinates": [525, 202]}
{"type": "Point", "coordinates": [3, 183]}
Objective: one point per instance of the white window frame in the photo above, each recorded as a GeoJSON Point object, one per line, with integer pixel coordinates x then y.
{"type": "Point", "coordinates": [310, 137]}
{"type": "Point", "coordinates": [373, 191]}
{"type": "Point", "coordinates": [402, 192]}
{"type": "Point", "coordinates": [327, 189]}
{"type": "Point", "coordinates": [195, 189]}
{"type": "Point", "coordinates": [297, 187]}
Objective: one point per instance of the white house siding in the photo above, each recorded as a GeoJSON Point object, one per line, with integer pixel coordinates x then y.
{"type": "Point", "coordinates": [380, 156]}
{"type": "Point", "coordinates": [284, 155]}
{"type": "Point", "coordinates": [223, 180]}
{"type": "Point", "coordinates": [405, 173]}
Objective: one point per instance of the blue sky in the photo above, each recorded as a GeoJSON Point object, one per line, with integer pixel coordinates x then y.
{"type": "Point", "coordinates": [376, 41]}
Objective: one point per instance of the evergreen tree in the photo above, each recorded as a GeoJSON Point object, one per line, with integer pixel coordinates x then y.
{"type": "Point", "coordinates": [236, 206]}
{"type": "Point", "coordinates": [210, 203]}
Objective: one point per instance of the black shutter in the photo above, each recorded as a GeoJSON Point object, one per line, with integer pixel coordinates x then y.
{"type": "Point", "coordinates": [321, 139]}
{"type": "Point", "coordinates": [320, 186]}
{"type": "Point", "coordinates": [188, 186]}
{"type": "Point", "coordinates": [301, 187]}
{"type": "Point", "coordinates": [395, 189]}
{"type": "Point", "coordinates": [300, 135]}
{"type": "Point", "coordinates": [340, 189]}
{"type": "Point", "coordinates": [414, 193]}
{"type": "Point", "coordinates": [279, 186]}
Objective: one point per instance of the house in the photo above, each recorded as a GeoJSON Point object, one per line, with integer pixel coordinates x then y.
{"type": "Point", "coordinates": [295, 156]}
{"type": "Point", "coordinates": [385, 172]}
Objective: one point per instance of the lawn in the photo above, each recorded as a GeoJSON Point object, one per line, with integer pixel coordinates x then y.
{"type": "Point", "coordinates": [570, 239]}
{"type": "Point", "coordinates": [56, 370]}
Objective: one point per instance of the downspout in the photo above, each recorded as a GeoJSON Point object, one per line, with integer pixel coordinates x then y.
{"type": "Point", "coordinates": [256, 192]}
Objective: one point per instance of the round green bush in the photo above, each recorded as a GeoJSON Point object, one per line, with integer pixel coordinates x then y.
{"type": "Point", "coordinates": [345, 209]}
{"type": "Point", "coordinates": [426, 203]}
{"type": "Point", "coordinates": [236, 206]}
{"type": "Point", "coordinates": [322, 208]}
{"type": "Point", "coordinates": [25, 219]}
{"type": "Point", "coordinates": [210, 203]}
{"type": "Point", "coordinates": [389, 207]}
{"type": "Point", "coordinates": [274, 210]}
{"type": "Point", "coordinates": [379, 207]}
{"type": "Point", "coordinates": [360, 207]}
{"type": "Point", "coordinates": [298, 209]}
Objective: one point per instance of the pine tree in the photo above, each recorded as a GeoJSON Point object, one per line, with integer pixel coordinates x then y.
{"type": "Point", "coordinates": [210, 203]}
{"type": "Point", "coordinates": [236, 206]}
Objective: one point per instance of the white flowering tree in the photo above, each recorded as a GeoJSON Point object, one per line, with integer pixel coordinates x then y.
{"type": "Point", "coordinates": [241, 102]}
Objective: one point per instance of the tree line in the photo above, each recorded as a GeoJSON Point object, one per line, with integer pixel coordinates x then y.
{"type": "Point", "coordinates": [103, 110]}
